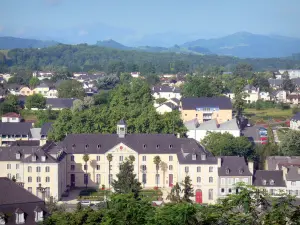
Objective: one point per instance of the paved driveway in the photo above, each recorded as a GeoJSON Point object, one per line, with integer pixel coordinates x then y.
{"type": "Point", "coordinates": [252, 133]}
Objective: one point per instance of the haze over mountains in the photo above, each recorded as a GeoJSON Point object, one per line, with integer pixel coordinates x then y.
{"type": "Point", "coordinates": [241, 44]}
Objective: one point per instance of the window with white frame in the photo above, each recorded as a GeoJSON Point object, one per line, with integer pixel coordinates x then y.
{"type": "Point", "coordinates": [223, 181]}
{"type": "Point", "coordinates": [211, 169]}
{"type": "Point", "coordinates": [211, 179]}
{"type": "Point", "coordinates": [222, 190]}
{"type": "Point", "coordinates": [186, 169]}
{"type": "Point", "coordinates": [210, 194]}
{"type": "Point", "coordinates": [20, 218]}
{"type": "Point", "coordinates": [237, 180]}
{"type": "Point", "coordinates": [170, 158]}
{"type": "Point", "coordinates": [170, 167]}
{"type": "Point", "coordinates": [17, 166]}
{"type": "Point", "coordinates": [29, 189]}
{"type": "Point", "coordinates": [29, 179]}
{"type": "Point", "coordinates": [17, 176]}
{"type": "Point", "coordinates": [198, 179]}
{"type": "Point", "coordinates": [47, 169]}
{"type": "Point", "coordinates": [8, 166]}
{"type": "Point", "coordinates": [144, 158]}
{"type": "Point", "coordinates": [9, 175]}
{"type": "Point", "coordinates": [38, 179]}
{"type": "Point", "coordinates": [29, 169]}
{"type": "Point", "coordinates": [121, 158]}
{"type": "Point", "coordinates": [98, 178]}
{"type": "Point", "coordinates": [229, 190]}
{"type": "Point", "coordinates": [98, 158]}
{"type": "Point", "coordinates": [293, 183]}
{"type": "Point", "coordinates": [38, 169]}
{"type": "Point", "coordinates": [47, 179]}
{"type": "Point", "coordinates": [230, 181]}
{"type": "Point", "coordinates": [198, 169]}
{"type": "Point", "coordinates": [38, 216]}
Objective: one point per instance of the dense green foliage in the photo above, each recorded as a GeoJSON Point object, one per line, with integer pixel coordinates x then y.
{"type": "Point", "coordinates": [84, 58]}
{"type": "Point", "coordinates": [35, 101]}
{"type": "Point", "coordinates": [226, 144]}
{"type": "Point", "coordinates": [290, 145]}
{"type": "Point", "coordinates": [249, 206]}
{"type": "Point", "coordinates": [132, 102]}
{"type": "Point", "coordinates": [10, 104]}
{"type": "Point", "coordinates": [70, 89]}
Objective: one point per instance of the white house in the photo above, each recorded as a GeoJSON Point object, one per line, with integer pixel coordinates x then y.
{"type": "Point", "coordinates": [78, 74]}
{"type": "Point", "coordinates": [295, 122]}
{"type": "Point", "coordinates": [166, 107]}
{"type": "Point", "coordinates": [41, 75]}
{"type": "Point", "coordinates": [264, 96]}
{"type": "Point", "coordinates": [279, 96]}
{"type": "Point", "coordinates": [199, 131]}
{"type": "Point", "coordinates": [252, 93]}
{"type": "Point", "coordinates": [11, 118]}
{"type": "Point", "coordinates": [292, 73]}
{"type": "Point", "coordinates": [166, 92]}
{"type": "Point", "coordinates": [135, 74]}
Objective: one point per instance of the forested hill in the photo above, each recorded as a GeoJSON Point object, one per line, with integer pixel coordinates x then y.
{"type": "Point", "coordinates": [83, 58]}
{"type": "Point", "coordinates": [12, 42]}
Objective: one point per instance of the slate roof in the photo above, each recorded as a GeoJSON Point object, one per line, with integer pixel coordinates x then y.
{"type": "Point", "coordinates": [249, 87]}
{"type": "Point", "coordinates": [61, 103]}
{"type": "Point", "coordinates": [296, 117]}
{"type": "Point", "coordinates": [43, 85]}
{"type": "Point", "coordinates": [275, 82]}
{"type": "Point", "coordinates": [164, 88]}
{"type": "Point", "coordinates": [177, 101]}
{"type": "Point", "coordinates": [46, 128]}
{"type": "Point", "coordinates": [170, 105]}
{"type": "Point", "coordinates": [296, 81]}
{"type": "Point", "coordinates": [35, 133]}
{"type": "Point", "coordinates": [211, 125]}
{"type": "Point", "coordinates": [264, 175]}
{"type": "Point", "coordinates": [15, 198]}
{"type": "Point", "coordinates": [293, 173]}
{"type": "Point", "coordinates": [275, 162]}
{"type": "Point", "coordinates": [141, 143]}
{"type": "Point", "coordinates": [233, 166]}
{"type": "Point", "coordinates": [193, 103]}
{"type": "Point", "coordinates": [15, 128]}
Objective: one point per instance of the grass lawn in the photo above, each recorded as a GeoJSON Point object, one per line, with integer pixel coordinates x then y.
{"type": "Point", "coordinates": [264, 114]}
{"type": "Point", "coordinates": [28, 114]}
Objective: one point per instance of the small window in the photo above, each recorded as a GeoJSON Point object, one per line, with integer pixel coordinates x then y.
{"type": "Point", "coordinates": [186, 169]}
{"type": "Point", "coordinates": [29, 189]}
{"type": "Point", "coordinates": [98, 167]}
{"type": "Point", "coordinates": [157, 146]}
{"type": "Point", "coordinates": [264, 182]}
{"type": "Point", "coordinates": [8, 166]}
{"type": "Point", "coordinates": [170, 158]}
{"type": "Point", "coordinates": [144, 146]}
{"type": "Point", "coordinates": [210, 194]}
{"type": "Point", "coordinates": [47, 179]}
{"type": "Point", "coordinates": [98, 146]}
{"type": "Point", "coordinates": [43, 158]}
{"type": "Point", "coordinates": [170, 167]}
{"type": "Point", "coordinates": [194, 157]}
{"type": "Point", "coordinates": [47, 169]}
{"type": "Point", "coordinates": [72, 167]}
{"type": "Point", "coordinates": [29, 179]}
{"type": "Point", "coordinates": [222, 190]}
{"type": "Point", "coordinates": [203, 157]}
{"type": "Point", "coordinates": [72, 158]}
{"type": "Point", "coordinates": [98, 158]}
{"type": "Point", "coordinates": [227, 171]}
{"type": "Point", "coordinates": [198, 169]}
{"type": "Point", "coordinates": [29, 169]}
{"type": "Point", "coordinates": [241, 171]}
{"type": "Point", "coordinates": [121, 158]}
{"type": "Point", "coordinates": [18, 156]}
{"type": "Point", "coordinates": [17, 166]}
{"type": "Point", "coordinates": [144, 168]}
{"type": "Point", "coordinates": [198, 179]}
{"type": "Point", "coordinates": [98, 178]}
{"type": "Point", "coordinates": [38, 169]}
{"type": "Point", "coordinates": [293, 183]}
{"type": "Point", "coordinates": [73, 146]}
{"type": "Point", "coordinates": [9, 176]}
{"type": "Point", "coordinates": [229, 190]}
{"type": "Point", "coordinates": [34, 158]}
{"type": "Point", "coordinates": [211, 179]}
{"type": "Point", "coordinates": [211, 169]}
{"type": "Point", "coordinates": [272, 182]}
{"type": "Point", "coordinates": [38, 179]}
{"type": "Point", "coordinates": [144, 158]}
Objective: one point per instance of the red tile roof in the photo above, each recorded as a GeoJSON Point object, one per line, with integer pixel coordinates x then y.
{"type": "Point", "coordinates": [11, 114]}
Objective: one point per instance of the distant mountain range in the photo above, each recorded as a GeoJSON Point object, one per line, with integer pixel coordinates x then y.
{"type": "Point", "coordinates": [12, 42]}
{"type": "Point", "coordinates": [241, 44]}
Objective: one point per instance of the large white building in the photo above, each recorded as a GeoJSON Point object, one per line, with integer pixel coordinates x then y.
{"type": "Point", "coordinates": [166, 92]}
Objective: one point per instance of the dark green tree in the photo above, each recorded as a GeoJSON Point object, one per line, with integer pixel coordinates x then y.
{"type": "Point", "coordinates": [33, 82]}
{"type": "Point", "coordinates": [70, 89]}
{"type": "Point", "coordinates": [126, 180]}
{"type": "Point", "coordinates": [187, 189]}
{"type": "Point", "coordinates": [174, 195]}
{"type": "Point", "coordinates": [35, 101]}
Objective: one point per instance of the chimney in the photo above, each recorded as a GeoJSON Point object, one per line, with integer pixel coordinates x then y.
{"type": "Point", "coordinates": [251, 167]}
{"type": "Point", "coordinates": [219, 162]}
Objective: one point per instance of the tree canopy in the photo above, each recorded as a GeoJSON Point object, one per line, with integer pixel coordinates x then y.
{"type": "Point", "coordinates": [290, 144]}
{"type": "Point", "coordinates": [70, 89]}
{"type": "Point", "coordinates": [35, 101]}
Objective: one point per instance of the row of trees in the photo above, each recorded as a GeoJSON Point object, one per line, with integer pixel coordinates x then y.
{"type": "Point", "coordinates": [84, 58]}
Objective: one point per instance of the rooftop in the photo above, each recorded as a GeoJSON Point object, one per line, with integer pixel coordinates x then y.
{"type": "Point", "coordinates": [12, 114]}
{"type": "Point", "coordinates": [267, 178]}
{"type": "Point", "coordinates": [233, 166]}
{"type": "Point", "coordinates": [211, 125]}
{"type": "Point", "coordinates": [218, 102]}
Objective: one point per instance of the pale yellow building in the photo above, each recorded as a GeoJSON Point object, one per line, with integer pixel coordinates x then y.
{"type": "Point", "coordinates": [205, 109]}
{"type": "Point", "coordinates": [25, 91]}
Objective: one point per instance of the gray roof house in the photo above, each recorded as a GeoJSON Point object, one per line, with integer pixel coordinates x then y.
{"type": "Point", "coordinates": [265, 178]}
{"type": "Point", "coordinates": [60, 103]}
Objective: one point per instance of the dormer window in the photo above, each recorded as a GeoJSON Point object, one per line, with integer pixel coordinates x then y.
{"type": "Point", "coordinates": [144, 146]}
{"type": "Point", "coordinates": [19, 216]}
{"type": "Point", "coordinates": [86, 146]}
{"type": "Point", "coordinates": [272, 182]}
{"type": "Point", "coordinates": [264, 182]}
{"type": "Point", "coordinates": [98, 146]}
{"type": "Point", "coordinates": [38, 214]}
{"type": "Point", "coordinates": [157, 146]}
{"type": "Point", "coordinates": [241, 171]}
{"type": "Point", "coordinates": [203, 157]}
{"type": "Point", "coordinates": [227, 171]}
{"type": "Point", "coordinates": [170, 146]}
{"type": "Point", "coordinates": [33, 158]}
{"type": "Point", "coordinates": [43, 158]}
{"type": "Point", "coordinates": [194, 157]}
{"type": "Point", "coordinates": [73, 145]}
{"type": "Point", "coordinates": [18, 155]}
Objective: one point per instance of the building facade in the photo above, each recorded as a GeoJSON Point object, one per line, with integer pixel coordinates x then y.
{"type": "Point", "coordinates": [205, 109]}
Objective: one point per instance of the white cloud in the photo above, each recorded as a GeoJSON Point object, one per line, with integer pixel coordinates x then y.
{"type": "Point", "coordinates": [83, 33]}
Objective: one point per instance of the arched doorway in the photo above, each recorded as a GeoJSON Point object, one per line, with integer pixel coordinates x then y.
{"type": "Point", "coordinates": [199, 196]}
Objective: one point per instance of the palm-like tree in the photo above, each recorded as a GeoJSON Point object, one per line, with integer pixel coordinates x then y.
{"type": "Point", "coordinates": [109, 159]}
{"type": "Point", "coordinates": [86, 158]}
{"type": "Point", "coordinates": [157, 161]}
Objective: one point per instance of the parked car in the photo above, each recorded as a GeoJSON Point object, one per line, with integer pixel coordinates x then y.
{"type": "Point", "coordinates": [263, 138]}
{"type": "Point", "coordinates": [85, 203]}
{"type": "Point", "coordinates": [264, 142]}
{"type": "Point", "coordinates": [262, 129]}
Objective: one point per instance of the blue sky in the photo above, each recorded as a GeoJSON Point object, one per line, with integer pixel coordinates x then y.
{"type": "Point", "coordinates": [135, 19]}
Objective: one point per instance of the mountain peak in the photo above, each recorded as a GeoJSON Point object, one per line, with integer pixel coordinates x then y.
{"type": "Point", "coordinates": [110, 43]}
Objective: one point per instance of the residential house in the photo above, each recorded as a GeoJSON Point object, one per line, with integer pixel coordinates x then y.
{"type": "Point", "coordinates": [11, 118]}
{"type": "Point", "coordinates": [293, 98]}
{"type": "Point", "coordinates": [166, 92]}
{"type": "Point", "coordinates": [14, 88]}
{"type": "Point", "coordinates": [6, 76]}
{"type": "Point", "coordinates": [166, 107]}
{"type": "Point", "coordinates": [252, 93]}
{"type": "Point", "coordinates": [11, 132]}
{"type": "Point", "coordinates": [198, 131]}
{"type": "Point", "coordinates": [41, 170]}
{"type": "Point", "coordinates": [233, 170]}
{"type": "Point", "coordinates": [78, 74]}
{"type": "Point", "coordinates": [42, 89]}
{"type": "Point", "coordinates": [52, 93]}
{"type": "Point", "coordinates": [263, 95]}
{"type": "Point", "coordinates": [275, 83]}
{"type": "Point", "coordinates": [270, 181]}
{"type": "Point", "coordinates": [279, 96]}
{"type": "Point", "coordinates": [46, 127]}
{"type": "Point", "coordinates": [205, 109]}
{"type": "Point", "coordinates": [59, 103]}
{"type": "Point", "coordinates": [19, 206]}
{"type": "Point", "coordinates": [135, 74]}
{"type": "Point", "coordinates": [295, 122]}
{"type": "Point", "coordinates": [292, 73]}
{"type": "Point", "coordinates": [41, 75]}
{"type": "Point", "coordinates": [25, 91]}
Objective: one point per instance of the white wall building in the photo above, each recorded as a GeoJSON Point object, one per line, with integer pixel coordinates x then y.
{"type": "Point", "coordinates": [11, 118]}
{"type": "Point", "coordinates": [166, 92]}
{"type": "Point", "coordinates": [199, 131]}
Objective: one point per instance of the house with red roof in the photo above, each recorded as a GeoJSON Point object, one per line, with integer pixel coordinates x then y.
{"type": "Point", "coordinates": [11, 117]}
